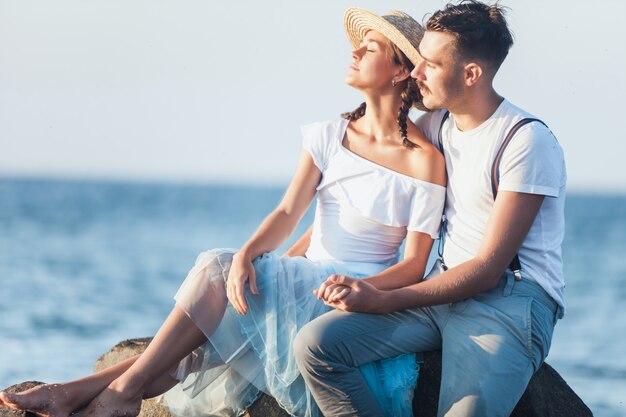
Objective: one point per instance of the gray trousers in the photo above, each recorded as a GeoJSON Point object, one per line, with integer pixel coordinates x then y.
{"type": "Point", "coordinates": [491, 346]}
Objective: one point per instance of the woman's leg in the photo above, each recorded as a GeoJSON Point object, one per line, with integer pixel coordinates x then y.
{"type": "Point", "coordinates": [62, 399]}
{"type": "Point", "coordinates": [176, 338]}
{"type": "Point", "coordinates": [119, 389]}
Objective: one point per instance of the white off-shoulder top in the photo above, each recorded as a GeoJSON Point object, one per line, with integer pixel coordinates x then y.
{"type": "Point", "coordinates": [364, 210]}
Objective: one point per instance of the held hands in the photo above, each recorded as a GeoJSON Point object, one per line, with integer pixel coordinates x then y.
{"type": "Point", "coordinates": [241, 271]}
{"type": "Point", "coordinates": [330, 291]}
{"type": "Point", "coordinates": [350, 294]}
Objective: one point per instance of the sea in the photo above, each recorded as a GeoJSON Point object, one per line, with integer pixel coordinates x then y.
{"type": "Point", "coordinates": [86, 264]}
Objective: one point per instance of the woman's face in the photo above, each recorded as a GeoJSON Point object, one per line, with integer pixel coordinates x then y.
{"type": "Point", "coordinates": [372, 65]}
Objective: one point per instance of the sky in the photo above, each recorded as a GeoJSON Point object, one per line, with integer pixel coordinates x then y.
{"type": "Point", "coordinates": [205, 91]}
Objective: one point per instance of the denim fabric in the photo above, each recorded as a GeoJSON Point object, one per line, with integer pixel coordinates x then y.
{"type": "Point", "coordinates": [491, 345]}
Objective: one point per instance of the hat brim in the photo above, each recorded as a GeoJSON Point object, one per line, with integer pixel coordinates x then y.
{"type": "Point", "coordinates": [358, 22]}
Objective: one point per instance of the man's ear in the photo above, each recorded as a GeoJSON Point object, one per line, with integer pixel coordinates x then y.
{"type": "Point", "coordinates": [473, 73]}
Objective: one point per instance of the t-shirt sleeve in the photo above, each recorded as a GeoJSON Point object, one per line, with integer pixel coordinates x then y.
{"type": "Point", "coordinates": [429, 123]}
{"type": "Point", "coordinates": [533, 162]}
{"type": "Point", "coordinates": [427, 209]}
{"type": "Point", "coordinates": [316, 140]}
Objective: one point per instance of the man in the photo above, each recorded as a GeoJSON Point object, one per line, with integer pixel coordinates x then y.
{"type": "Point", "coordinates": [492, 318]}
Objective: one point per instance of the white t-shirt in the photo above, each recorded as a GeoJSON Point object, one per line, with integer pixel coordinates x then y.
{"type": "Point", "coordinates": [364, 209]}
{"type": "Point", "coordinates": [532, 163]}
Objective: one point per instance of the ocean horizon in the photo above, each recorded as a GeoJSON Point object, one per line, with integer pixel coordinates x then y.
{"type": "Point", "coordinates": [85, 264]}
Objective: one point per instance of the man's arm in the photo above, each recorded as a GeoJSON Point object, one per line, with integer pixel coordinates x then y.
{"type": "Point", "coordinates": [511, 218]}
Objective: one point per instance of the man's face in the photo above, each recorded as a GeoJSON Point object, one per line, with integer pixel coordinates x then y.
{"type": "Point", "coordinates": [440, 74]}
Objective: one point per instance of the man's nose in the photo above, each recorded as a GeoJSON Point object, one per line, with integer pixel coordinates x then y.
{"type": "Point", "coordinates": [418, 71]}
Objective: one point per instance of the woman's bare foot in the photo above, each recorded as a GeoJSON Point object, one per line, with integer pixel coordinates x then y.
{"type": "Point", "coordinates": [50, 400]}
{"type": "Point", "coordinates": [113, 402]}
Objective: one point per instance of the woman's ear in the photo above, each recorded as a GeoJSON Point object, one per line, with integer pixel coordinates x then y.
{"type": "Point", "coordinates": [402, 74]}
{"type": "Point", "coordinates": [473, 73]}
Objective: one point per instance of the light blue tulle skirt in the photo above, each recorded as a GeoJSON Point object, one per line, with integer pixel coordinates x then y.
{"type": "Point", "coordinates": [253, 353]}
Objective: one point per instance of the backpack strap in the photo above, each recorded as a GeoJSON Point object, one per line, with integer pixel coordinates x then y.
{"type": "Point", "coordinates": [515, 264]}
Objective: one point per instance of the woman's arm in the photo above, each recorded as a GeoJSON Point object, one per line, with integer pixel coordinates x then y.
{"type": "Point", "coordinates": [302, 244]}
{"type": "Point", "coordinates": [273, 231]}
{"type": "Point", "coordinates": [281, 222]}
{"type": "Point", "coordinates": [411, 269]}
{"type": "Point", "coordinates": [406, 272]}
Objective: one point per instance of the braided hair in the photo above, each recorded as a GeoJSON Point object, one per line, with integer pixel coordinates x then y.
{"type": "Point", "coordinates": [410, 97]}
{"type": "Point", "coordinates": [355, 114]}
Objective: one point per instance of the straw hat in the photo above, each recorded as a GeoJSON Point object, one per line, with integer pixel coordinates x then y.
{"type": "Point", "coordinates": [397, 26]}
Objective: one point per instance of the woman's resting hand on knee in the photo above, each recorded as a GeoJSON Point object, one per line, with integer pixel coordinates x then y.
{"type": "Point", "coordinates": [241, 272]}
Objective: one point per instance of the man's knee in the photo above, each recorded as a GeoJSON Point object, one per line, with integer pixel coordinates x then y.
{"type": "Point", "coordinates": [306, 347]}
{"type": "Point", "coordinates": [319, 344]}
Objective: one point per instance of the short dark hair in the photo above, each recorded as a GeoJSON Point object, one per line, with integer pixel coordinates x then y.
{"type": "Point", "coordinates": [480, 30]}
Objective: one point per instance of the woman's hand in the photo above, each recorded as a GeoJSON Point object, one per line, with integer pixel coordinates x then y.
{"type": "Point", "coordinates": [330, 291]}
{"type": "Point", "coordinates": [361, 296]}
{"type": "Point", "coordinates": [241, 271]}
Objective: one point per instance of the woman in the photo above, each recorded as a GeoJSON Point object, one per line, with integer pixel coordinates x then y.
{"type": "Point", "coordinates": [230, 334]}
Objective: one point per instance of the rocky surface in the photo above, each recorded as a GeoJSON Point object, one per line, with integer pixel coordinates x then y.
{"type": "Point", "coordinates": [8, 412]}
{"type": "Point", "coordinates": [547, 395]}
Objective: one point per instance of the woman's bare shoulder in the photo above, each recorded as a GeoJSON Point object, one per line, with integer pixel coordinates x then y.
{"type": "Point", "coordinates": [427, 163]}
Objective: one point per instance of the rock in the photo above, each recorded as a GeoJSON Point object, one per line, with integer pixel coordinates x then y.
{"type": "Point", "coordinates": [266, 406]}
{"type": "Point", "coordinates": [547, 395]}
{"type": "Point", "coordinates": [125, 349]}
{"type": "Point", "coordinates": [9, 412]}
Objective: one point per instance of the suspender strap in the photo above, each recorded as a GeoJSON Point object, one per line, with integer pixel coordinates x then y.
{"type": "Point", "coordinates": [495, 168]}
{"type": "Point", "coordinates": [442, 228]}
{"type": "Point", "coordinates": [515, 264]}
{"type": "Point", "coordinates": [440, 135]}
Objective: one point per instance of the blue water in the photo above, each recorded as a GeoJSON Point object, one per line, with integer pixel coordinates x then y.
{"type": "Point", "coordinates": [84, 265]}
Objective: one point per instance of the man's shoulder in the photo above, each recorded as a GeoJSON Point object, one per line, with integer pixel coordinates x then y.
{"type": "Point", "coordinates": [526, 136]}
{"type": "Point", "coordinates": [514, 119]}
{"type": "Point", "coordinates": [430, 123]}
{"type": "Point", "coordinates": [515, 113]}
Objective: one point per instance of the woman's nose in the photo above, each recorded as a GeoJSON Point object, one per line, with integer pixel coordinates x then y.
{"type": "Point", "coordinates": [358, 53]}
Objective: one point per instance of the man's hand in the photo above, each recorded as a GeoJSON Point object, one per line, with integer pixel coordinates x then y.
{"type": "Point", "coordinates": [361, 297]}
